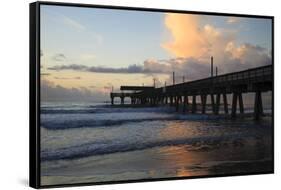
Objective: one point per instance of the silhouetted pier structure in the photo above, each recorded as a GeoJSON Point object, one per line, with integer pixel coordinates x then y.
{"type": "Point", "coordinates": [256, 80]}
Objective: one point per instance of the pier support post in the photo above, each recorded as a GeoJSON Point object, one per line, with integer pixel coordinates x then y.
{"type": "Point", "coordinates": [122, 100]}
{"type": "Point", "coordinates": [184, 103]}
{"type": "Point", "coordinates": [162, 100]}
{"type": "Point", "coordinates": [241, 105]}
{"type": "Point", "coordinates": [225, 105]}
{"type": "Point", "coordinates": [213, 103]}
{"type": "Point", "coordinates": [194, 106]}
{"type": "Point", "coordinates": [154, 100]}
{"type": "Point", "coordinates": [142, 100]}
{"type": "Point", "coordinates": [112, 100]}
{"type": "Point", "coordinates": [234, 105]}
{"type": "Point", "coordinates": [159, 100]}
{"type": "Point", "coordinates": [180, 100]}
{"type": "Point", "coordinates": [171, 100]}
{"type": "Point", "coordinates": [258, 110]}
{"type": "Point", "coordinates": [218, 104]}
{"type": "Point", "coordinates": [203, 103]}
{"type": "Point", "coordinates": [177, 102]}
{"type": "Point", "coordinates": [151, 101]}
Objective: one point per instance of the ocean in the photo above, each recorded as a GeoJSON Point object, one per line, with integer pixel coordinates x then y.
{"type": "Point", "coordinates": [93, 142]}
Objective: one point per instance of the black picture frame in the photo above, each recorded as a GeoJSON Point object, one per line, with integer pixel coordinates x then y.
{"type": "Point", "coordinates": [34, 93]}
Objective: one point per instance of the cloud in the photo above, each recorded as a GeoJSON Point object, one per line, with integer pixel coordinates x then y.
{"type": "Point", "coordinates": [190, 68]}
{"type": "Point", "coordinates": [52, 92]}
{"type": "Point", "coordinates": [69, 67]}
{"type": "Point", "coordinates": [131, 69]}
{"type": "Point", "coordinates": [234, 58]}
{"type": "Point", "coordinates": [192, 39]}
{"type": "Point", "coordinates": [45, 74]}
{"type": "Point", "coordinates": [232, 20]}
{"type": "Point", "coordinates": [193, 43]}
{"type": "Point", "coordinates": [59, 57]}
{"type": "Point", "coordinates": [188, 40]}
{"type": "Point", "coordinates": [73, 23]}
{"type": "Point", "coordinates": [68, 78]}
{"type": "Point", "coordinates": [79, 27]}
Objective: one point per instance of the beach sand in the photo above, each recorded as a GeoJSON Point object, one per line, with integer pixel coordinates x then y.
{"type": "Point", "coordinates": [216, 158]}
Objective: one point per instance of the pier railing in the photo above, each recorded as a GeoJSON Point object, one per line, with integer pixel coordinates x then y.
{"type": "Point", "coordinates": [255, 80]}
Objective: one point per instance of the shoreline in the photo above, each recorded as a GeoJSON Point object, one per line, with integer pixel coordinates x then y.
{"type": "Point", "coordinates": [226, 158]}
{"type": "Point", "coordinates": [187, 145]}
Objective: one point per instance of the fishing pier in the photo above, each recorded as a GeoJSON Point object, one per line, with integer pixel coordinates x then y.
{"type": "Point", "coordinates": [255, 80]}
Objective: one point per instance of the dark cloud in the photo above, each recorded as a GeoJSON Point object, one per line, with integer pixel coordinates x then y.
{"type": "Point", "coordinates": [59, 57]}
{"type": "Point", "coordinates": [45, 74]}
{"type": "Point", "coordinates": [249, 56]}
{"type": "Point", "coordinates": [236, 59]}
{"type": "Point", "coordinates": [52, 92]}
{"type": "Point", "coordinates": [67, 78]}
{"type": "Point", "coordinates": [69, 67]}
{"type": "Point", "coordinates": [188, 67]}
{"type": "Point", "coordinates": [129, 70]}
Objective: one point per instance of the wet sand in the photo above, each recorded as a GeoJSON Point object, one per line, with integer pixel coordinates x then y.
{"type": "Point", "coordinates": [226, 157]}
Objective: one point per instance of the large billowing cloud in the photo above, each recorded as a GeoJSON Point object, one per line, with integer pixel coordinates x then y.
{"type": "Point", "coordinates": [189, 39]}
{"type": "Point", "coordinates": [193, 43]}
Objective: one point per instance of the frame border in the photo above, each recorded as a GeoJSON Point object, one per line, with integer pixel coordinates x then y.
{"type": "Point", "coordinates": [34, 96]}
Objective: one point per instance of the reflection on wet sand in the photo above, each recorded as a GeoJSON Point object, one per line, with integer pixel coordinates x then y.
{"type": "Point", "coordinates": [178, 148]}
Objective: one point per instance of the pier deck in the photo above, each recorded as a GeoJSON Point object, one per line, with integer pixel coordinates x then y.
{"type": "Point", "coordinates": [256, 80]}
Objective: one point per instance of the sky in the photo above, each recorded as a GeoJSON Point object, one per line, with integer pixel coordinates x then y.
{"type": "Point", "coordinates": [85, 52]}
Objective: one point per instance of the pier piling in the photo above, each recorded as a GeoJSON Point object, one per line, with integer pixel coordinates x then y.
{"type": "Point", "coordinates": [257, 80]}
{"type": "Point", "coordinates": [194, 106]}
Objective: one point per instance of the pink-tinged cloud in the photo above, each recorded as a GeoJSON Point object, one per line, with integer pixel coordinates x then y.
{"type": "Point", "coordinates": [194, 42]}
{"type": "Point", "coordinates": [189, 38]}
